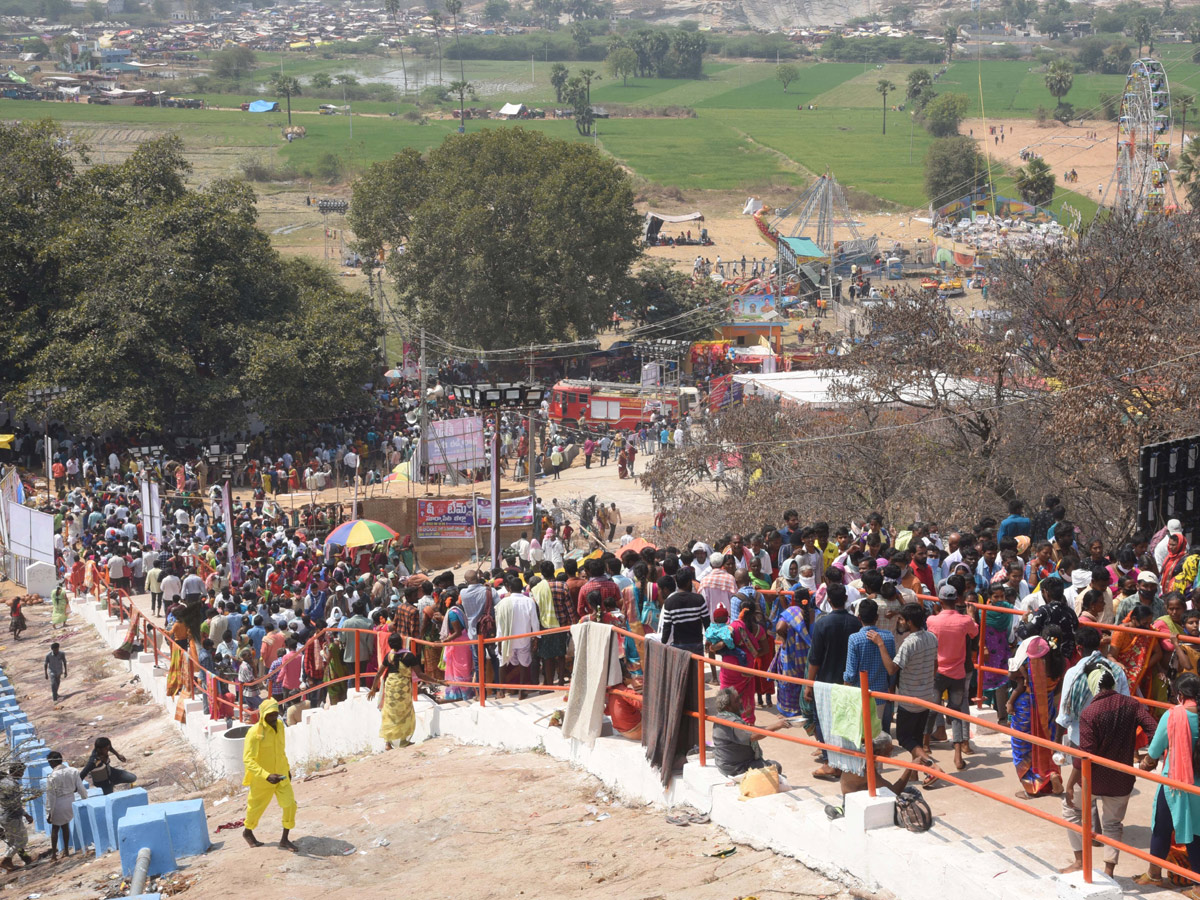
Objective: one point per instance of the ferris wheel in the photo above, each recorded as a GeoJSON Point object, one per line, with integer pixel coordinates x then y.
{"type": "Point", "coordinates": [1142, 178]}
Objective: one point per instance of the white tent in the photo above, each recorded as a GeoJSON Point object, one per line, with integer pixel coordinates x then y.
{"type": "Point", "coordinates": [511, 110]}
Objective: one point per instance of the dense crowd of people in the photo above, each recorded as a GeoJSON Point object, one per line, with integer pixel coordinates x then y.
{"type": "Point", "coordinates": [1008, 609]}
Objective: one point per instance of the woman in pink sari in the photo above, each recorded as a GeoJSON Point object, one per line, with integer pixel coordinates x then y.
{"type": "Point", "coordinates": [458, 653]}
{"type": "Point", "coordinates": [741, 652]}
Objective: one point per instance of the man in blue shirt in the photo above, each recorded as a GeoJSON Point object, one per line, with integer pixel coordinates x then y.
{"type": "Point", "coordinates": [1015, 524]}
{"type": "Point", "coordinates": [256, 635]}
{"type": "Point", "coordinates": [987, 568]}
{"type": "Point", "coordinates": [861, 653]}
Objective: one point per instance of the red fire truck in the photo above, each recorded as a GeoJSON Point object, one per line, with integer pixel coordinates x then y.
{"type": "Point", "coordinates": [618, 406]}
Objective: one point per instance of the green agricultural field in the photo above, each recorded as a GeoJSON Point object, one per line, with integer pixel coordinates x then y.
{"type": "Point", "coordinates": [702, 153]}
{"type": "Point", "coordinates": [747, 134]}
{"type": "Point", "coordinates": [768, 93]}
{"type": "Point", "coordinates": [850, 144]}
{"type": "Point", "coordinates": [860, 91]}
{"type": "Point", "coordinates": [638, 91]}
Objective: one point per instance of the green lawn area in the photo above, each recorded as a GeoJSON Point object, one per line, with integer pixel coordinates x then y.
{"type": "Point", "coordinates": [1011, 90]}
{"type": "Point", "coordinates": [374, 140]}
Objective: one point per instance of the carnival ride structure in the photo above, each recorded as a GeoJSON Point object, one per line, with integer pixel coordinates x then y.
{"type": "Point", "coordinates": [1141, 179]}
{"type": "Point", "coordinates": [801, 253]}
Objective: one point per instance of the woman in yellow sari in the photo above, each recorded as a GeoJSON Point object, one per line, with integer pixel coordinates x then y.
{"type": "Point", "coordinates": [395, 695]}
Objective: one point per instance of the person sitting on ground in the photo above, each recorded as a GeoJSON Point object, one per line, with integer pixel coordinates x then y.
{"type": "Point", "coordinates": [736, 750]}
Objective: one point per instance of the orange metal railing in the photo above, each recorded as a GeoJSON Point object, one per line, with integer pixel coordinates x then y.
{"type": "Point", "coordinates": [1086, 760]}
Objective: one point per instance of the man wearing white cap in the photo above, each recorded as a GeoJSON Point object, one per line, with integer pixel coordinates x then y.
{"type": "Point", "coordinates": [1174, 526]}
{"type": "Point", "coordinates": [1147, 595]}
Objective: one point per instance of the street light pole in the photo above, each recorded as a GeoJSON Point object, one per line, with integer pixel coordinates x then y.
{"type": "Point", "coordinates": [46, 396]}
{"type": "Point", "coordinates": [495, 536]}
{"type": "Point", "coordinates": [530, 456]}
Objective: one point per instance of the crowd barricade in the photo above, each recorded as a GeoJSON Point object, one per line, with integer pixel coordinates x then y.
{"type": "Point", "coordinates": [1099, 626]}
{"type": "Point", "coordinates": [154, 635]}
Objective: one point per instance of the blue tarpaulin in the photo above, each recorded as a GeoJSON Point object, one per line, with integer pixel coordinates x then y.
{"type": "Point", "coordinates": [264, 106]}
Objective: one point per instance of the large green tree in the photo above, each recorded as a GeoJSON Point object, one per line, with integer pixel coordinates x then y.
{"type": "Point", "coordinates": [919, 80]}
{"type": "Point", "coordinates": [954, 168]}
{"type": "Point", "coordinates": [507, 236]}
{"type": "Point", "coordinates": [785, 74]}
{"type": "Point", "coordinates": [155, 305]}
{"type": "Point", "coordinates": [621, 63]}
{"type": "Point", "coordinates": [943, 114]}
{"type": "Point", "coordinates": [235, 62]}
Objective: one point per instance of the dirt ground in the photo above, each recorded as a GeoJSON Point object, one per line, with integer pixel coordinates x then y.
{"type": "Point", "coordinates": [429, 819]}
{"type": "Point", "coordinates": [1063, 147]}
{"type": "Point", "coordinates": [735, 235]}
{"type": "Point", "coordinates": [575, 483]}
{"type": "Point", "coordinates": [100, 697]}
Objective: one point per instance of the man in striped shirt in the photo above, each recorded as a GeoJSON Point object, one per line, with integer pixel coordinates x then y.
{"type": "Point", "coordinates": [718, 585]}
{"type": "Point", "coordinates": [685, 616]}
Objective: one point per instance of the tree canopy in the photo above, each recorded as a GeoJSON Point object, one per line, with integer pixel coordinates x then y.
{"type": "Point", "coordinates": [501, 237]}
{"type": "Point", "coordinates": [943, 113]}
{"type": "Point", "coordinates": [155, 305]}
{"type": "Point", "coordinates": [1035, 182]}
{"type": "Point", "coordinates": [786, 73]}
{"type": "Point", "coordinates": [953, 168]}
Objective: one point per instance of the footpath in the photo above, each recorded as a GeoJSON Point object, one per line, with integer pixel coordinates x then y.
{"type": "Point", "coordinates": [975, 846]}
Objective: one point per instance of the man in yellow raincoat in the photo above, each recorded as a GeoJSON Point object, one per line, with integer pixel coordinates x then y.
{"type": "Point", "coordinates": [268, 774]}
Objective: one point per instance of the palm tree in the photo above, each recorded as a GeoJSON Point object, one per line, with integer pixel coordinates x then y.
{"type": "Point", "coordinates": [393, 10]}
{"type": "Point", "coordinates": [1139, 30]}
{"type": "Point", "coordinates": [285, 86]}
{"type": "Point", "coordinates": [1059, 78]}
{"type": "Point", "coordinates": [432, 6]}
{"type": "Point", "coordinates": [950, 36]}
{"type": "Point", "coordinates": [462, 88]}
{"type": "Point", "coordinates": [885, 87]}
{"type": "Point", "coordinates": [1186, 102]}
{"type": "Point", "coordinates": [1188, 175]}
{"type": "Point", "coordinates": [454, 7]}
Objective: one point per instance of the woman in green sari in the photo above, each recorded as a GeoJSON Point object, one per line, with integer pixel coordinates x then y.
{"type": "Point", "coordinates": [58, 607]}
{"type": "Point", "coordinates": [335, 668]}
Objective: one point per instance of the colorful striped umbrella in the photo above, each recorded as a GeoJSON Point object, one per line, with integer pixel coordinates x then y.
{"type": "Point", "coordinates": [360, 533]}
{"type": "Point", "coordinates": [402, 472]}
